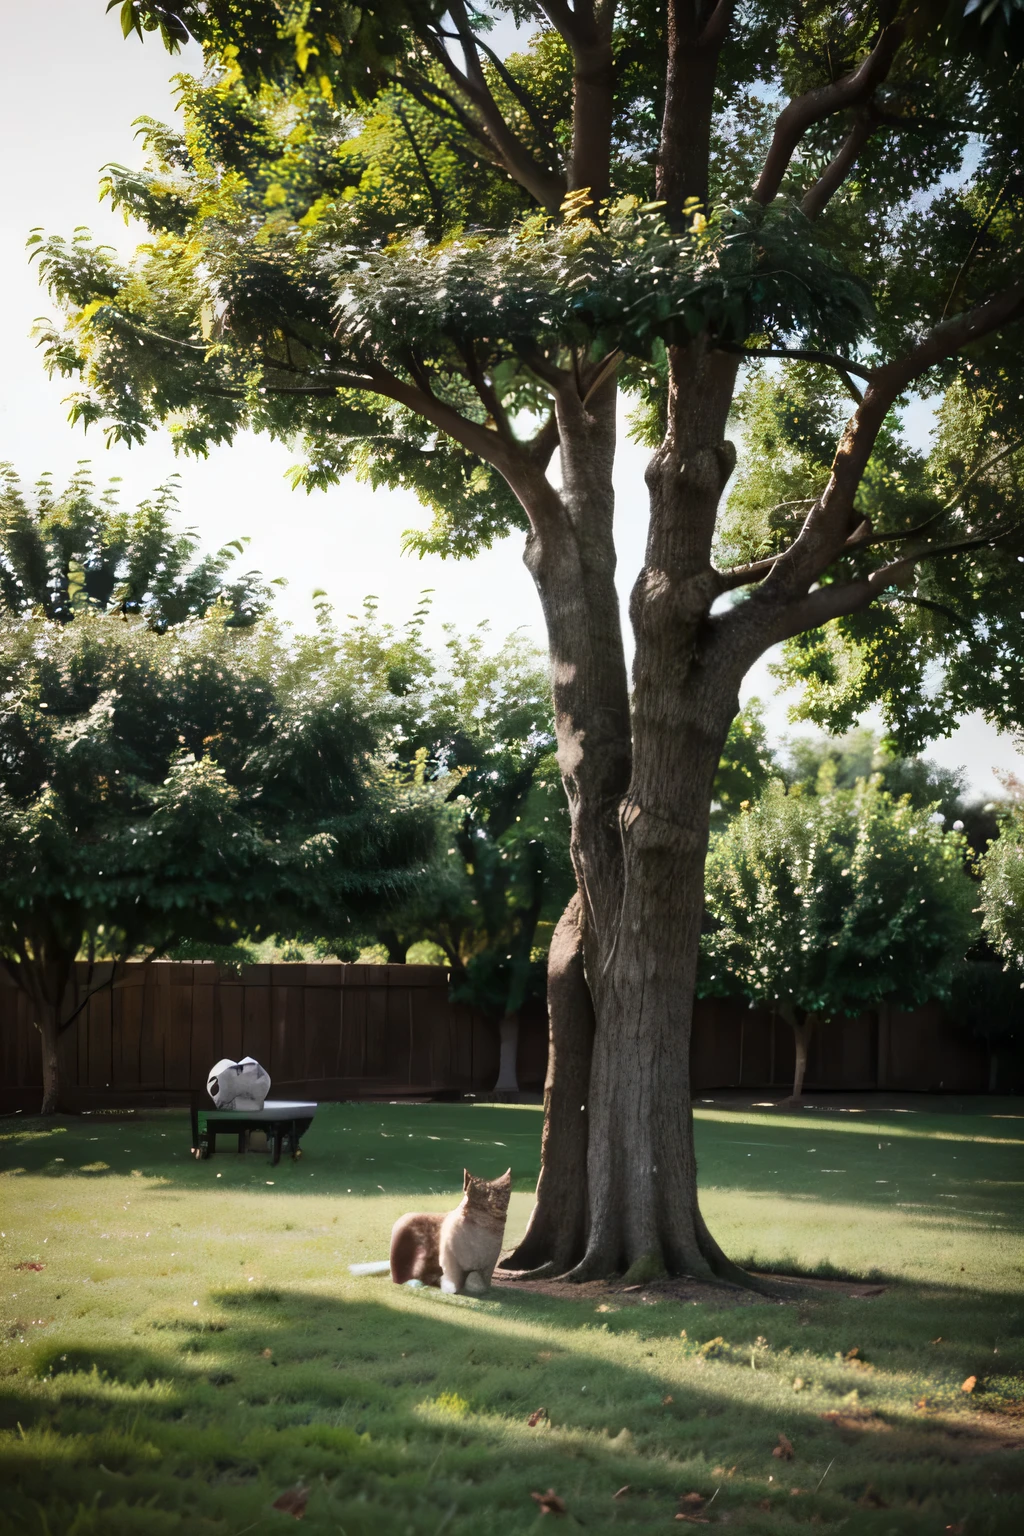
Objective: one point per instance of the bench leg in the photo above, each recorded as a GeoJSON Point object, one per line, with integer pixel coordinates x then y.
{"type": "Point", "coordinates": [277, 1147]}
{"type": "Point", "coordinates": [241, 1140]}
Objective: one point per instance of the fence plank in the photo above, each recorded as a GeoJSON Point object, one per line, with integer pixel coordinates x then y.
{"type": "Point", "coordinates": [332, 1030]}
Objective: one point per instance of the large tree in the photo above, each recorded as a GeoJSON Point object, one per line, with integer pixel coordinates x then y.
{"type": "Point", "coordinates": [441, 267]}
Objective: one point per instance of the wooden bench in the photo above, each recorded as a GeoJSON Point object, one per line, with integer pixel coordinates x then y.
{"type": "Point", "coordinates": [281, 1119]}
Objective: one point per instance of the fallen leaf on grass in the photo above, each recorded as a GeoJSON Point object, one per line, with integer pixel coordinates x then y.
{"type": "Point", "coordinates": [784, 1450]}
{"type": "Point", "coordinates": [266, 1353]}
{"type": "Point", "coordinates": [544, 1355]}
{"type": "Point", "coordinates": [536, 1416]}
{"type": "Point", "coordinates": [36, 1267]}
{"type": "Point", "coordinates": [871, 1499]}
{"type": "Point", "coordinates": [292, 1502]}
{"type": "Point", "coordinates": [957, 1529]}
{"type": "Point", "coordinates": [620, 1491]}
{"type": "Point", "coordinates": [666, 1400]}
{"type": "Point", "coordinates": [798, 1383]}
{"type": "Point", "coordinates": [693, 1504]}
{"type": "Point", "coordinates": [970, 1384]}
{"type": "Point", "coordinates": [550, 1503]}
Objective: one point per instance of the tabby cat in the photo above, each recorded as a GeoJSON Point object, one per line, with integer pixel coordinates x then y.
{"type": "Point", "coordinates": [457, 1251]}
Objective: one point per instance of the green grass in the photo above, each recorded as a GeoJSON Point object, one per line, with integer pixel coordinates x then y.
{"type": "Point", "coordinates": [194, 1344]}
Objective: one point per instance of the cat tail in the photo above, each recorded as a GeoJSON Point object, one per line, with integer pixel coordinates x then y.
{"type": "Point", "coordinates": [379, 1267]}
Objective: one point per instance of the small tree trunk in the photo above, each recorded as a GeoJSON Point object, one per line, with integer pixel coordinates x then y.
{"type": "Point", "coordinates": [395, 947]}
{"type": "Point", "coordinates": [803, 1029]}
{"type": "Point", "coordinates": [555, 1238]}
{"type": "Point", "coordinates": [508, 1032]}
{"type": "Point", "coordinates": [46, 1023]}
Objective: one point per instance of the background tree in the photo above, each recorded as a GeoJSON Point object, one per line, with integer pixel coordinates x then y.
{"type": "Point", "coordinates": [439, 268]}
{"type": "Point", "coordinates": [476, 726]}
{"type": "Point", "coordinates": [988, 998]}
{"type": "Point", "coordinates": [862, 754]}
{"type": "Point", "coordinates": [192, 784]}
{"type": "Point", "coordinates": [832, 903]}
{"type": "Point", "coordinates": [76, 551]}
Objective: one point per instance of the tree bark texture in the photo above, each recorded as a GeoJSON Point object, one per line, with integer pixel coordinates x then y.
{"type": "Point", "coordinates": [556, 1235]}
{"type": "Point", "coordinates": [46, 1023]}
{"type": "Point", "coordinates": [639, 788]}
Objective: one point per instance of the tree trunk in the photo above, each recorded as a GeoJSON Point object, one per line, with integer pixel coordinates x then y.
{"type": "Point", "coordinates": [46, 1021]}
{"type": "Point", "coordinates": [641, 1165]}
{"type": "Point", "coordinates": [555, 1238]}
{"type": "Point", "coordinates": [639, 850]}
{"type": "Point", "coordinates": [803, 1029]}
{"type": "Point", "coordinates": [508, 1033]}
{"type": "Point", "coordinates": [396, 947]}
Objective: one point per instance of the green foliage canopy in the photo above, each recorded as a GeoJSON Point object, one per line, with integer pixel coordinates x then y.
{"type": "Point", "coordinates": [192, 784]}
{"type": "Point", "coordinates": [76, 550]}
{"type": "Point", "coordinates": [364, 245]}
{"type": "Point", "coordinates": [473, 725]}
{"type": "Point", "coordinates": [1002, 889]}
{"type": "Point", "coordinates": [832, 903]}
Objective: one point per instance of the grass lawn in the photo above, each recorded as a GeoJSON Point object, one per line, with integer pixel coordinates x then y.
{"type": "Point", "coordinates": [183, 1343]}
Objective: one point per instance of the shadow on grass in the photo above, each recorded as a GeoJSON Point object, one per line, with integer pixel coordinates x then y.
{"type": "Point", "coordinates": [408, 1412]}
{"type": "Point", "coordinates": [422, 1149]}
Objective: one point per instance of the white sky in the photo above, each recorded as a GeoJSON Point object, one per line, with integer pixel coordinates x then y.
{"type": "Point", "coordinates": [70, 91]}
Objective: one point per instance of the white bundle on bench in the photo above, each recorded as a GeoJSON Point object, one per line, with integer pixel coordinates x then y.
{"type": "Point", "coordinates": [238, 1084]}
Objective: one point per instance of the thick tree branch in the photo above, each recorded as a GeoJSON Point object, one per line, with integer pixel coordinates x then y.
{"type": "Point", "coordinates": [576, 24]}
{"type": "Point", "coordinates": [545, 186]}
{"type": "Point", "coordinates": [695, 34]}
{"type": "Point", "coordinates": [593, 84]}
{"type": "Point", "coordinates": [539, 122]}
{"type": "Point", "coordinates": [818, 196]}
{"type": "Point", "coordinates": [838, 599]}
{"type": "Point", "coordinates": [827, 527]}
{"type": "Point", "coordinates": [803, 112]}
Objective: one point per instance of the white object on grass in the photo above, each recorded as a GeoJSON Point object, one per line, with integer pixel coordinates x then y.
{"type": "Point", "coordinates": [238, 1084]}
{"type": "Point", "coordinates": [378, 1267]}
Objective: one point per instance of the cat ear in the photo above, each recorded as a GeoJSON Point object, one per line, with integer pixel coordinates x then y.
{"type": "Point", "coordinates": [467, 1179]}
{"type": "Point", "coordinates": [506, 1177]}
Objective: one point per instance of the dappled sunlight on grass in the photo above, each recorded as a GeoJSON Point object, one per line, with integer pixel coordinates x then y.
{"type": "Point", "coordinates": [183, 1340]}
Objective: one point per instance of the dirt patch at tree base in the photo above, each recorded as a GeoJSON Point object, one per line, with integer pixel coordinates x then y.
{"type": "Point", "coordinates": [788, 1290]}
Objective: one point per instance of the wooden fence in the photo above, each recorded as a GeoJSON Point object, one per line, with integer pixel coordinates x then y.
{"type": "Point", "coordinates": [337, 1031]}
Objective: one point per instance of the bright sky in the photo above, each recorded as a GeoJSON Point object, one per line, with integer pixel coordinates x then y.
{"type": "Point", "coordinates": [71, 89]}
